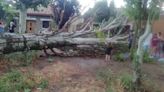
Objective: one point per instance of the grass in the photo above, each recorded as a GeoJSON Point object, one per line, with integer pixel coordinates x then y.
{"type": "Point", "coordinates": [16, 81]}
{"type": "Point", "coordinates": [124, 82]}
{"type": "Point", "coordinates": [21, 58]}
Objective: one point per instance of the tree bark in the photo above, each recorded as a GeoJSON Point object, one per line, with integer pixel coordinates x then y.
{"type": "Point", "coordinates": [22, 19]}
{"type": "Point", "coordinates": [15, 42]}
{"type": "Point", "coordinates": [138, 60]}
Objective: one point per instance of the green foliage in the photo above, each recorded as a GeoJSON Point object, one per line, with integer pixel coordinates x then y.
{"type": "Point", "coordinates": [100, 35]}
{"type": "Point", "coordinates": [22, 58]}
{"type": "Point", "coordinates": [102, 11]}
{"type": "Point", "coordinates": [143, 10]}
{"type": "Point", "coordinates": [13, 81]}
{"type": "Point", "coordinates": [20, 4]}
{"type": "Point", "coordinates": [106, 75]}
{"type": "Point", "coordinates": [127, 82]}
{"type": "Point", "coordinates": [70, 7]}
{"type": "Point", "coordinates": [6, 11]}
{"type": "Point", "coordinates": [16, 81]}
{"type": "Point", "coordinates": [119, 57]}
{"type": "Point", "coordinates": [43, 84]}
{"type": "Point", "coordinates": [121, 83]}
{"type": "Point", "coordinates": [147, 59]}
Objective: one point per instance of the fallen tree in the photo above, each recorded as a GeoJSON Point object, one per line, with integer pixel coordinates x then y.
{"type": "Point", "coordinates": [22, 42]}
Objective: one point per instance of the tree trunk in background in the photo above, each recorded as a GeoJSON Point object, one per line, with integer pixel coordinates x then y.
{"type": "Point", "coordinates": [138, 60]}
{"type": "Point", "coordinates": [22, 20]}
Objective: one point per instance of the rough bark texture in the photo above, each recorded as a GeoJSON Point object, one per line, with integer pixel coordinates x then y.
{"type": "Point", "coordinates": [22, 20]}
{"type": "Point", "coordinates": [139, 57]}
{"type": "Point", "coordinates": [49, 40]}
{"type": "Point", "coordinates": [15, 42]}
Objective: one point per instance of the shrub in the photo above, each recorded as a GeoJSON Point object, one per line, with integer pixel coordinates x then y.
{"type": "Point", "coordinates": [119, 57]}
{"type": "Point", "coordinates": [146, 58]}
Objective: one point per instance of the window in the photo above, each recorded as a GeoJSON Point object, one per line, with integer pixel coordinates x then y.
{"type": "Point", "coordinates": [45, 24]}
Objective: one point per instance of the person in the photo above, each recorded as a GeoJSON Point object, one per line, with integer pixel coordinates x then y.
{"type": "Point", "coordinates": [12, 26]}
{"type": "Point", "coordinates": [154, 44]}
{"type": "Point", "coordinates": [160, 44]}
{"type": "Point", "coordinates": [1, 29]}
{"type": "Point", "coordinates": [108, 52]}
{"type": "Point", "coordinates": [130, 39]}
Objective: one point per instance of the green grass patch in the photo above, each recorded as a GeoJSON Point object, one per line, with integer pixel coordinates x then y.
{"type": "Point", "coordinates": [15, 81]}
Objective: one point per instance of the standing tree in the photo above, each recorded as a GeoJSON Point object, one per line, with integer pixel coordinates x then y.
{"type": "Point", "coordinates": [102, 11]}
{"type": "Point", "coordinates": [6, 11]}
{"type": "Point", "coordinates": [63, 10]}
{"type": "Point", "coordinates": [143, 12]}
{"type": "Point", "coordinates": [23, 5]}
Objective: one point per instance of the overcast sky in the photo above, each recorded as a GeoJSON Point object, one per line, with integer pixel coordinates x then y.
{"type": "Point", "coordinates": [86, 4]}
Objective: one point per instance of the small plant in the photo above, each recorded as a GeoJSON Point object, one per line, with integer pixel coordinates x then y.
{"type": "Point", "coordinates": [146, 58]}
{"type": "Point", "coordinates": [50, 59]}
{"type": "Point", "coordinates": [127, 82]}
{"type": "Point", "coordinates": [43, 84]}
{"type": "Point", "coordinates": [119, 57]}
{"type": "Point", "coordinates": [100, 35]}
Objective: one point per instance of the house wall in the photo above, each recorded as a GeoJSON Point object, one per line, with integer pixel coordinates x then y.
{"type": "Point", "coordinates": [158, 25]}
{"type": "Point", "coordinates": [31, 26]}
{"type": "Point", "coordinates": [36, 26]}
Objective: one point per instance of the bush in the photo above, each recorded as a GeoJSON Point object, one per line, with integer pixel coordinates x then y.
{"type": "Point", "coordinates": [147, 59]}
{"type": "Point", "coordinates": [119, 57]}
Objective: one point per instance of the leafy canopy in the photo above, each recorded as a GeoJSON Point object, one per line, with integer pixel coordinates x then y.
{"type": "Point", "coordinates": [102, 11]}
{"type": "Point", "coordinates": [6, 11]}
{"type": "Point", "coordinates": [143, 9]}
{"type": "Point", "coordinates": [63, 10]}
{"type": "Point", "coordinates": [30, 3]}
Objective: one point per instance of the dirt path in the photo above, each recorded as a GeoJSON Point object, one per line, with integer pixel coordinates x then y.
{"type": "Point", "coordinates": [72, 74]}
{"type": "Point", "coordinates": [79, 74]}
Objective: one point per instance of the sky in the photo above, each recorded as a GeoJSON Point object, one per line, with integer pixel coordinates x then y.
{"type": "Point", "coordinates": [86, 4]}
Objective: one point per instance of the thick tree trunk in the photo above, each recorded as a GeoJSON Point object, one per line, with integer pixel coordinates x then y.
{"type": "Point", "coordinates": [138, 60]}
{"type": "Point", "coordinates": [14, 42]}
{"type": "Point", "coordinates": [22, 20]}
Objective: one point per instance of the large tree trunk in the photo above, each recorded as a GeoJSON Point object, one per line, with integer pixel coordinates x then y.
{"type": "Point", "coordinates": [21, 42]}
{"type": "Point", "coordinates": [14, 42]}
{"type": "Point", "coordinates": [138, 60]}
{"type": "Point", "coordinates": [22, 19]}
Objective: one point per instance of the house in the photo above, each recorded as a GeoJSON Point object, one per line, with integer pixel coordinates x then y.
{"type": "Point", "coordinates": [37, 21]}
{"type": "Point", "coordinates": [158, 25]}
